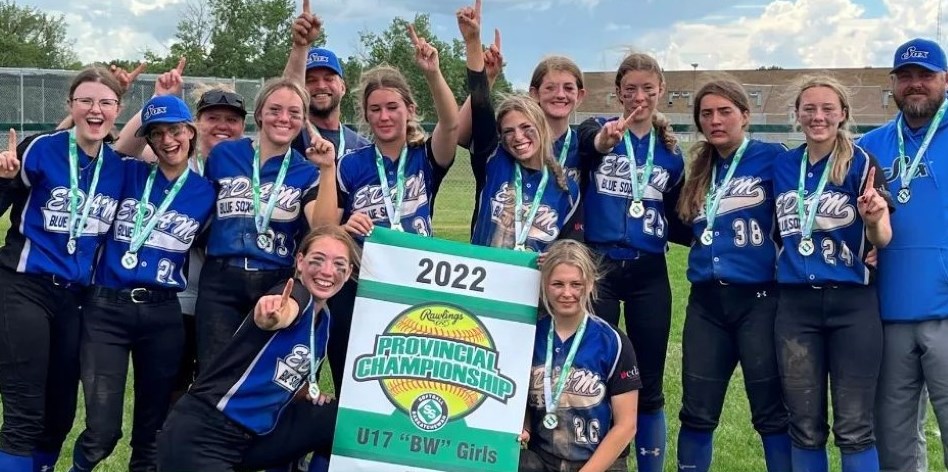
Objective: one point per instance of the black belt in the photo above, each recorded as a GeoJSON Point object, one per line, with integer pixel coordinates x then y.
{"type": "Point", "coordinates": [247, 264]}
{"type": "Point", "coordinates": [134, 295]}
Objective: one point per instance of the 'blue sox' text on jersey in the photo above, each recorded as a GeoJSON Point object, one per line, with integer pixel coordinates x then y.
{"type": "Point", "coordinates": [609, 192]}
{"type": "Point", "coordinates": [743, 250]}
{"type": "Point", "coordinates": [838, 231]}
{"type": "Point", "coordinates": [40, 216]}
{"type": "Point", "coordinates": [362, 191]}
{"type": "Point", "coordinates": [912, 281]}
{"type": "Point", "coordinates": [162, 258]}
{"type": "Point", "coordinates": [232, 233]}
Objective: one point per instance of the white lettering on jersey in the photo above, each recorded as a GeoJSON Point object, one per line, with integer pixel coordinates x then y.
{"type": "Point", "coordinates": [544, 226]}
{"type": "Point", "coordinates": [56, 212]}
{"type": "Point", "coordinates": [292, 369]}
{"type": "Point", "coordinates": [583, 389]}
{"type": "Point", "coordinates": [613, 177]}
{"type": "Point", "coordinates": [368, 199]}
{"type": "Point", "coordinates": [174, 232]}
{"type": "Point", "coordinates": [833, 212]}
{"type": "Point", "coordinates": [235, 200]}
{"type": "Point", "coordinates": [742, 193]}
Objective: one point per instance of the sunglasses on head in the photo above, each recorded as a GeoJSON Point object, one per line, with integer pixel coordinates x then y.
{"type": "Point", "coordinates": [220, 97]}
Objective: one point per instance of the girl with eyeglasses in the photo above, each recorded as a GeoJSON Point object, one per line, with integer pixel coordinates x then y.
{"type": "Point", "coordinates": [132, 307]}
{"type": "Point", "coordinates": [831, 208]}
{"type": "Point", "coordinates": [523, 195]}
{"type": "Point", "coordinates": [634, 165]}
{"type": "Point", "coordinates": [65, 188]}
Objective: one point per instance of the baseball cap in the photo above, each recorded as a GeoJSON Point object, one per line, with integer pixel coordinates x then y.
{"type": "Point", "coordinates": [163, 109]}
{"type": "Point", "coordinates": [319, 57]}
{"type": "Point", "coordinates": [222, 98]}
{"type": "Point", "coordinates": [921, 52]}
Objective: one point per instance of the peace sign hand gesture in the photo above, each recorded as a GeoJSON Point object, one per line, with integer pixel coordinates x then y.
{"type": "Point", "coordinates": [170, 82]}
{"type": "Point", "coordinates": [493, 59]}
{"type": "Point", "coordinates": [9, 163]}
{"type": "Point", "coordinates": [469, 22]}
{"type": "Point", "coordinates": [426, 55]}
{"type": "Point", "coordinates": [276, 311]}
{"type": "Point", "coordinates": [612, 132]}
{"type": "Point", "coordinates": [321, 152]}
{"type": "Point", "coordinates": [871, 205]}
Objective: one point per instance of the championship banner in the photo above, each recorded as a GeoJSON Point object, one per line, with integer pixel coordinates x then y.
{"type": "Point", "coordinates": [439, 357]}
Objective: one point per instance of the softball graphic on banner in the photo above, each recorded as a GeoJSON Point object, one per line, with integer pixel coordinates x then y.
{"type": "Point", "coordinates": [438, 367]}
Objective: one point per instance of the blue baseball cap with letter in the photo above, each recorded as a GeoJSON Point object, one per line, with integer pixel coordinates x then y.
{"type": "Point", "coordinates": [163, 109]}
{"type": "Point", "coordinates": [920, 52]}
{"type": "Point", "coordinates": [320, 57]}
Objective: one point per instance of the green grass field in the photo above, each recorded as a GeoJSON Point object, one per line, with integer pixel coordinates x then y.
{"type": "Point", "coordinates": [737, 446]}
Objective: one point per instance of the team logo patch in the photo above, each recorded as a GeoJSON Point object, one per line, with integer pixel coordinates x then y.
{"type": "Point", "coordinates": [436, 363]}
{"type": "Point", "coordinates": [291, 370]}
{"type": "Point", "coordinates": [154, 111]}
{"type": "Point", "coordinates": [913, 53]}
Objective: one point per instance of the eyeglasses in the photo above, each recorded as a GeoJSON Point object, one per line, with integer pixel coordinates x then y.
{"type": "Point", "coordinates": [220, 97]}
{"type": "Point", "coordinates": [105, 104]}
{"type": "Point", "coordinates": [157, 135]}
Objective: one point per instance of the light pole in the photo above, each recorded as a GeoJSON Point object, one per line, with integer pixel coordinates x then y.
{"type": "Point", "coordinates": [694, 77]}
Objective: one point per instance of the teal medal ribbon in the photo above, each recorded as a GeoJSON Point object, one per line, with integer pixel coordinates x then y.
{"type": "Point", "coordinates": [313, 362]}
{"type": "Point", "coordinates": [715, 192]}
{"type": "Point", "coordinates": [77, 226]}
{"type": "Point", "coordinates": [262, 220]}
{"type": "Point", "coordinates": [906, 175]}
{"type": "Point", "coordinates": [808, 215]}
{"type": "Point", "coordinates": [565, 149]}
{"type": "Point", "coordinates": [551, 396]}
{"type": "Point", "coordinates": [392, 208]}
{"type": "Point", "coordinates": [522, 226]}
{"type": "Point", "coordinates": [140, 234]}
{"type": "Point", "coordinates": [341, 149]}
{"type": "Point", "coordinates": [639, 184]}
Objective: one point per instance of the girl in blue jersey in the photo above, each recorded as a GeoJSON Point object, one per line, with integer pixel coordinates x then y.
{"type": "Point", "coordinates": [583, 419]}
{"type": "Point", "coordinates": [634, 163]}
{"type": "Point", "coordinates": [523, 195]}
{"type": "Point", "coordinates": [266, 200]}
{"type": "Point", "coordinates": [65, 188]}
{"type": "Point", "coordinates": [830, 214]}
{"type": "Point", "coordinates": [242, 410]}
{"type": "Point", "coordinates": [728, 200]}
{"type": "Point", "coordinates": [132, 307]}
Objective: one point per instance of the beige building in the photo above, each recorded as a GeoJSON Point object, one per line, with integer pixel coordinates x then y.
{"type": "Point", "coordinates": [771, 94]}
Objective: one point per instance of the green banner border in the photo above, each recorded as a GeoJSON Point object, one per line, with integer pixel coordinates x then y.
{"type": "Point", "coordinates": [480, 307]}
{"type": "Point", "coordinates": [413, 241]}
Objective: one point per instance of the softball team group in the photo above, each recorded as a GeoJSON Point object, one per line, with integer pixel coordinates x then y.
{"type": "Point", "coordinates": [224, 266]}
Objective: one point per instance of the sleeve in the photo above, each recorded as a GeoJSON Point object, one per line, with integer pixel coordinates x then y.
{"type": "Point", "coordinates": [587, 132]}
{"type": "Point", "coordinates": [573, 226]}
{"type": "Point", "coordinates": [438, 172]}
{"type": "Point", "coordinates": [309, 194]}
{"type": "Point", "coordinates": [484, 139]}
{"type": "Point", "coordinates": [625, 377]}
{"type": "Point", "coordinates": [879, 182]}
{"type": "Point", "coordinates": [342, 193]}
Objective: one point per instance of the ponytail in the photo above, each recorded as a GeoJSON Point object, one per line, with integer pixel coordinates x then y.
{"type": "Point", "coordinates": [842, 156]}
{"type": "Point", "coordinates": [698, 178]}
{"type": "Point", "coordinates": [664, 131]}
{"type": "Point", "coordinates": [415, 135]}
{"type": "Point", "coordinates": [557, 169]}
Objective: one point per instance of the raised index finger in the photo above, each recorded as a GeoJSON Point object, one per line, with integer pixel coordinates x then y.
{"type": "Point", "coordinates": [306, 6]}
{"type": "Point", "coordinates": [11, 143]}
{"type": "Point", "coordinates": [497, 38]}
{"type": "Point", "coordinates": [180, 66]}
{"type": "Point", "coordinates": [138, 70]}
{"type": "Point", "coordinates": [412, 35]}
{"type": "Point", "coordinates": [870, 182]}
{"type": "Point", "coordinates": [287, 290]}
{"type": "Point", "coordinates": [477, 8]}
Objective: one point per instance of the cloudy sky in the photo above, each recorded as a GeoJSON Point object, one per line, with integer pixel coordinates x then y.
{"type": "Point", "coordinates": [595, 33]}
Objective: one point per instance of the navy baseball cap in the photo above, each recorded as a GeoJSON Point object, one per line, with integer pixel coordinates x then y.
{"type": "Point", "coordinates": [921, 52]}
{"type": "Point", "coordinates": [319, 57]}
{"type": "Point", "coordinates": [163, 109]}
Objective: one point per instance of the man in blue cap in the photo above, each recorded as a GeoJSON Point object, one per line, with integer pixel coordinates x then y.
{"type": "Point", "coordinates": [912, 279]}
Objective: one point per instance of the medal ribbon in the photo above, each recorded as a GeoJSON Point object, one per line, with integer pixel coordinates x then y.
{"type": "Point", "coordinates": [139, 235]}
{"type": "Point", "coordinates": [713, 199]}
{"type": "Point", "coordinates": [262, 221]}
{"type": "Point", "coordinates": [552, 397]}
{"type": "Point", "coordinates": [565, 149]}
{"type": "Point", "coordinates": [393, 208]}
{"type": "Point", "coordinates": [341, 149]}
{"type": "Point", "coordinates": [906, 175]}
{"type": "Point", "coordinates": [76, 227]}
{"type": "Point", "coordinates": [808, 215]}
{"type": "Point", "coordinates": [313, 363]}
{"type": "Point", "coordinates": [522, 226]}
{"type": "Point", "coordinates": [639, 185]}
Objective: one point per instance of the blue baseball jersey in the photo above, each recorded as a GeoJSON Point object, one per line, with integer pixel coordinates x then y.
{"type": "Point", "coordinates": [608, 193]}
{"type": "Point", "coordinates": [743, 250]}
{"type": "Point", "coordinates": [233, 232]}
{"type": "Point", "coordinates": [259, 372]}
{"type": "Point", "coordinates": [353, 140]}
{"type": "Point", "coordinates": [839, 232]}
{"type": "Point", "coordinates": [604, 367]}
{"type": "Point", "coordinates": [164, 255]}
{"type": "Point", "coordinates": [39, 218]}
{"type": "Point", "coordinates": [912, 281]}
{"type": "Point", "coordinates": [360, 190]}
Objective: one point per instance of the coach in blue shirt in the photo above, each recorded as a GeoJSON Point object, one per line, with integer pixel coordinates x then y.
{"type": "Point", "coordinates": [913, 283]}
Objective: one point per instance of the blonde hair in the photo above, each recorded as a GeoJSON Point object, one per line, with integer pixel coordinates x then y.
{"type": "Point", "coordinates": [844, 148]}
{"type": "Point", "coordinates": [269, 88]}
{"type": "Point", "coordinates": [576, 254]}
{"type": "Point", "coordinates": [555, 64]}
{"type": "Point", "coordinates": [524, 104]}
{"type": "Point", "coordinates": [387, 77]}
{"type": "Point", "coordinates": [694, 191]}
{"type": "Point", "coordinates": [637, 61]}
